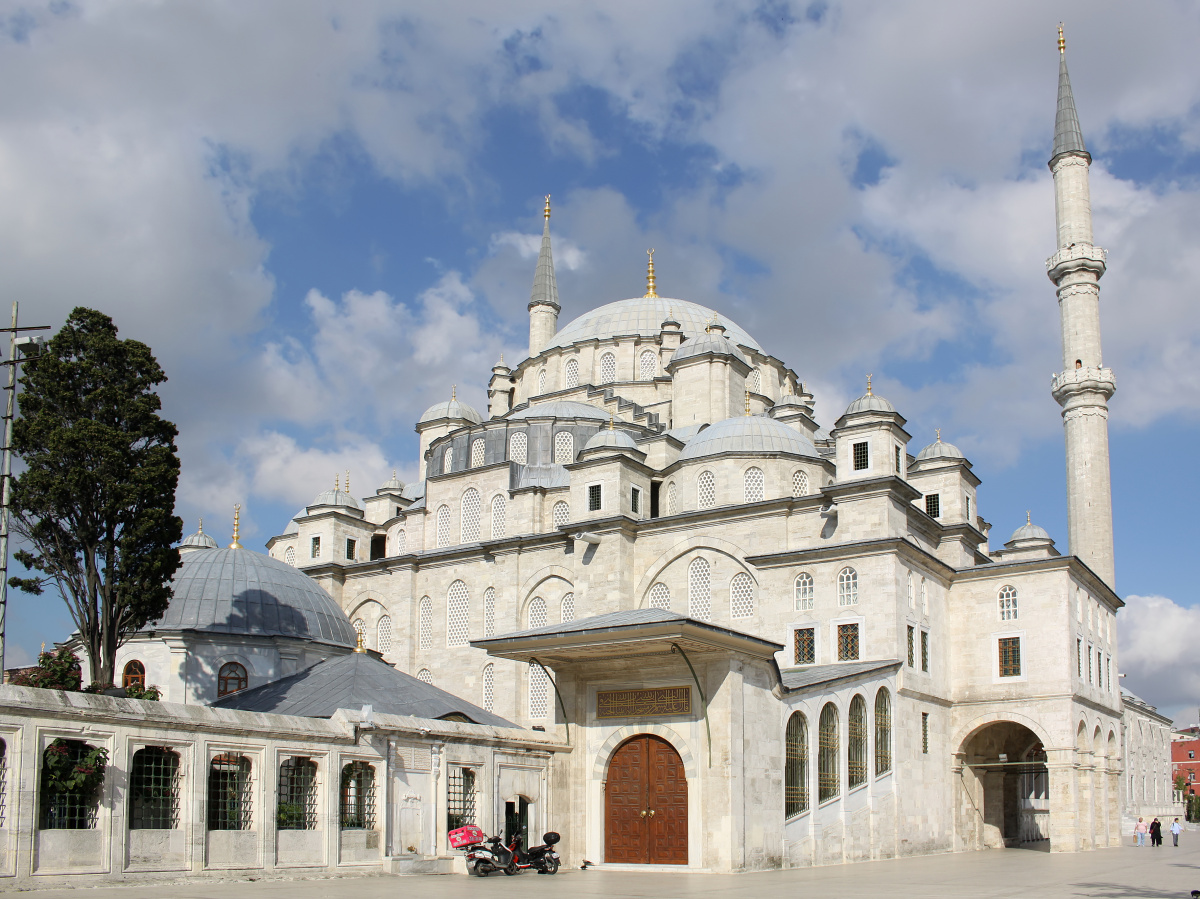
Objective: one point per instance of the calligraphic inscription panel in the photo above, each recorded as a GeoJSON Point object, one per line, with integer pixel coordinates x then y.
{"type": "Point", "coordinates": [648, 703]}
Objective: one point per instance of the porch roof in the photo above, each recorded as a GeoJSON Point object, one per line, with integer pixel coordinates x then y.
{"type": "Point", "coordinates": [824, 675]}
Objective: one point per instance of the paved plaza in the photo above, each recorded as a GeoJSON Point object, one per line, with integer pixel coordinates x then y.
{"type": "Point", "coordinates": [1109, 873]}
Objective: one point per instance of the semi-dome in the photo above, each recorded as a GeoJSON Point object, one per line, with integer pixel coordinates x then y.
{"type": "Point", "coordinates": [643, 317]}
{"type": "Point", "coordinates": [748, 434]}
{"type": "Point", "coordinates": [710, 342]}
{"type": "Point", "coordinates": [198, 540]}
{"type": "Point", "coordinates": [610, 438]}
{"type": "Point", "coordinates": [454, 409]}
{"type": "Point", "coordinates": [235, 591]}
{"type": "Point", "coordinates": [940, 450]}
{"type": "Point", "coordinates": [560, 409]}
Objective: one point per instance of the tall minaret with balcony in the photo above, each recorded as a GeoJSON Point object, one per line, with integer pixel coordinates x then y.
{"type": "Point", "coordinates": [1084, 385]}
{"type": "Point", "coordinates": [543, 299]}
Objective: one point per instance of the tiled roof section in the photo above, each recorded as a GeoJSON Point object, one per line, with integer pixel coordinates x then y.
{"type": "Point", "coordinates": [1068, 136]}
{"type": "Point", "coordinates": [812, 675]}
{"type": "Point", "coordinates": [643, 316]}
{"type": "Point", "coordinates": [349, 682]}
{"type": "Point", "coordinates": [545, 476]}
{"type": "Point", "coordinates": [748, 434]}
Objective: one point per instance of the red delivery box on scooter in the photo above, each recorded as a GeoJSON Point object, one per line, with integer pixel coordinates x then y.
{"type": "Point", "coordinates": [465, 836]}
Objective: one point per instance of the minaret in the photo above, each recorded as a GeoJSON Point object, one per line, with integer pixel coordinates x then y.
{"type": "Point", "coordinates": [543, 300]}
{"type": "Point", "coordinates": [1084, 385]}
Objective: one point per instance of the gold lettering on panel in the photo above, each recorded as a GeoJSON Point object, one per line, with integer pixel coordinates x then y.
{"type": "Point", "coordinates": [647, 703]}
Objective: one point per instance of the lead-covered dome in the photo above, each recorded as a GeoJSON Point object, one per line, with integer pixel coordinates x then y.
{"type": "Point", "coordinates": [453, 409]}
{"type": "Point", "coordinates": [610, 438]}
{"type": "Point", "coordinates": [334, 497]}
{"type": "Point", "coordinates": [643, 316]}
{"type": "Point", "coordinates": [869, 402]}
{"type": "Point", "coordinates": [235, 591]}
{"type": "Point", "coordinates": [940, 450]}
{"type": "Point", "coordinates": [1030, 531]}
{"type": "Point", "coordinates": [748, 434]}
{"type": "Point", "coordinates": [560, 409]}
{"type": "Point", "coordinates": [709, 343]}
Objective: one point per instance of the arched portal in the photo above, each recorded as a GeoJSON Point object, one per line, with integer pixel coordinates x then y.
{"type": "Point", "coordinates": [646, 804]}
{"type": "Point", "coordinates": [1007, 788]}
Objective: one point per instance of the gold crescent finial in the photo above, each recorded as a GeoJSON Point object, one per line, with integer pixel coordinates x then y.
{"type": "Point", "coordinates": [359, 645]}
{"type": "Point", "coordinates": [747, 402]}
{"type": "Point", "coordinates": [546, 212]}
{"type": "Point", "coordinates": [201, 528]}
{"type": "Point", "coordinates": [650, 275]}
{"type": "Point", "coordinates": [869, 386]}
{"type": "Point", "coordinates": [1062, 43]}
{"type": "Point", "coordinates": [938, 431]}
{"type": "Point", "coordinates": [1028, 517]}
{"type": "Point", "coordinates": [347, 480]}
{"type": "Point", "coordinates": [453, 392]}
{"type": "Point", "coordinates": [611, 416]}
{"type": "Point", "coordinates": [337, 483]}
{"type": "Point", "coordinates": [237, 514]}
{"type": "Point", "coordinates": [502, 358]}
{"type": "Point", "coordinates": [394, 474]}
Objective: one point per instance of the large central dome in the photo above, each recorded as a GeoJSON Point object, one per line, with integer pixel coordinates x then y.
{"type": "Point", "coordinates": [643, 317]}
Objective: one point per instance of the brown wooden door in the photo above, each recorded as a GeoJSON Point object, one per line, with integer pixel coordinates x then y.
{"type": "Point", "coordinates": [645, 799]}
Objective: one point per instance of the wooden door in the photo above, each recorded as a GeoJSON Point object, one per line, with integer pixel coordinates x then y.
{"type": "Point", "coordinates": [645, 798]}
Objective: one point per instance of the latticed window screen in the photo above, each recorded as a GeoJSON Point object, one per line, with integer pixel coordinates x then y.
{"type": "Point", "coordinates": [672, 499]}
{"type": "Point", "coordinates": [741, 596]}
{"type": "Point", "coordinates": [699, 590]}
{"type": "Point", "coordinates": [537, 612]}
{"type": "Point", "coordinates": [799, 483]}
{"type": "Point", "coordinates": [425, 676]}
{"type": "Point", "coordinates": [458, 615]}
{"type": "Point", "coordinates": [67, 808]}
{"type": "Point", "coordinates": [296, 801]}
{"type": "Point", "coordinates": [861, 457]}
{"type": "Point", "coordinates": [498, 508]}
{"type": "Point", "coordinates": [562, 514]}
{"type": "Point", "coordinates": [828, 783]}
{"type": "Point", "coordinates": [542, 381]}
{"type": "Point", "coordinates": [754, 381]}
{"type": "Point", "coordinates": [912, 646]}
{"type": "Point", "coordinates": [571, 373]}
{"type": "Point", "coordinates": [805, 645]}
{"type": "Point", "coordinates": [231, 678]}
{"type": "Point", "coordinates": [3, 784]}
{"type": "Point", "coordinates": [608, 368]}
{"type": "Point", "coordinates": [754, 482]}
{"type": "Point", "coordinates": [134, 674]}
{"type": "Point", "coordinates": [154, 789]}
{"type": "Point", "coordinates": [471, 510]}
{"type": "Point", "coordinates": [795, 772]}
{"type": "Point", "coordinates": [568, 607]}
{"type": "Point", "coordinates": [477, 453]}
{"type": "Point", "coordinates": [1010, 656]}
{"type": "Point", "coordinates": [564, 448]}
{"type": "Point", "coordinates": [290, 556]}
{"type": "Point", "coordinates": [401, 542]}
{"type": "Point", "coordinates": [856, 743]}
{"type": "Point", "coordinates": [357, 807]}
{"type": "Point", "coordinates": [443, 526]}
{"type": "Point", "coordinates": [847, 636]}
{"type": "Point", "coordinates": [595, 497]}
{"type": "Point", "coordinates": [1008, 603]}
{"type": "Point", "coordinates": [647, 365]}
{"type": "Point", "coordinates": [925, 732]}
{"type": "Point", "coordinates": [518, 447]}
{"type": "Point", "coordinates": [460, 797]}
{"type": "Point", "coordinates": [660, 596]}
{"type": "Point", "coordinates": [489, 612]}
{"type": "Point", "coordinates": [425, 622]}
{"type": "Point", "coordinates": [706, 490]}
{"type": "Point", "coordinates": [804, 592]}
{"type": "Point", "coordinates": [539, 692]}
{"type": "Point", "coordinates": [925, 651]}
{"type": "Point", "coordinates": [360, 628]}
{"type": "Point", "coordinates": [489, 686]}
{"type": "Point", "coordinates": [883, 732]}
{"type": "Point", "coordinates": [383, 635]}
{"type": "Point", "coordinates": [230, 793]}
{"type": "Point", "coordinates": [847, 587]}
{"type": "Point", "coordinates": [448, 460]}
{"type": "Point", "coordinates": [933, 505]}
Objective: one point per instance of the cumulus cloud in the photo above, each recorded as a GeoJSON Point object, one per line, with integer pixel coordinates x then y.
{"type": "Point", "coordinates": [1158, 654]}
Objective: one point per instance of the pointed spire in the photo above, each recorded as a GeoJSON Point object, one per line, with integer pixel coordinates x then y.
{"type": "Point", "coordinates": [545, 288]}
{"type": "Point", "coordinates": [1068, 137]}
{"type": "Point", "coordinates": [237, 513]}
{"type": "Point", "coordinates": [650, 276]}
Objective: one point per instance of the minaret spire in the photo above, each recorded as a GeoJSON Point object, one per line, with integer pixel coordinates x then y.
{"type": "Point", "coordinates": [1068, 136]}
{"type": "Point", "coordinates": [543, 299]}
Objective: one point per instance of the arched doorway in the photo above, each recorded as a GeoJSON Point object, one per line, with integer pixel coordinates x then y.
{"type": "Point", "coordinates": [1007, 786]}
{"type": "Point", "coordinates": [646, 804]}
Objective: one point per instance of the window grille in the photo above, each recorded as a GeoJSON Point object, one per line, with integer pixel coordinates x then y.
{"type": "Point", "coordinates": [1079, 657]}
{"type": "Point", "coordinates": [350, 547]}
{"type": "Point", "coordinates": [443, 526]}
{"type": "Point", "coordinates": [231, 678]}
{"type": "Point", "coordinates": [539, 692]}
{"type": "Point", "coordinates": [448, 460]}
{"type": "Point", "coordinates": [925, 651]}
{"type": "Point", "coordinates": [460, 797]}
{"type": "Point", "coordinates": [699, 590]}
{"type": "Point", "coordinates": [741, 596]}
{"type": "Point", "coordinates": [847, 587]}
{"type": "Point", "coordinates": [967, 500]}
{"type": "Point", "coordinates": [383, 635]}
{"type": "Point", "coordinates": [562, 514]}
{"type": "Point", "coordinates": [635, 501]}
{"type": "Point", "coordinates": [1107, 684]}
{"type": "Point", "coordinates": [134, 674]}
{"type": "Point", "coordinates": [477, 448]}
{"type": "Point", "coordinates": [828, 782]}
{"type": "Point", "coordinates": [401, 542]}
{"type": "Point", "coordinates": [647, 365]}
{"type": "Point", "coordinates": [498, 505]}
{"type": "Point", "coordinates": [3, 784]}
{"type": "Point", "coordinates": [595, 498]}
{"type": "Point", "coordinates": [898, 460]}
{"type": "Point", "coordinates": [1099, 660]}
{"type": "Point", "coordinates": [754, 381]}
{"type": "Point", "coordinates": [542, 381]}
{"type": "Point", "coordinates": [799, 483]}
{"type": "Point", "coordinates": [471, 509]}
{"type": "Point", "coordinates": [154, 789]}
{"type": "Point", "coordinates": [1089, 657]}
{"type": "Point", "coordinates": [805, 645]}
{"type": "Point", "coordinates": [357, 807]}
{"type": "Point", "coordinates": [360, 628]}
{"type": "Point", "coordinates": [804, 592]}
{"type": "Point", "coordinates": [425, 676]}
{"type": "Point", "coordinates": [537, 612]}
{"type": "Point", "coordinates": [426, 622]}
{"type": "Point", "coordinates": [912, 647]}
{"type": "Point", "coordinates": [862, 459]}
{"type": "Point", "coordinates": [458, 615]}
{"type": "Point", "coordinates": [933, 505]}
{"type": "Point", "coordinates": [856, 743]}
{"type": "Point", "coordinates": [672, 499]}
{"type": "Point", "coordinates": [290, 556]}
{"type": "Point", "coordinates": [67, 808]}
{"type": "Point", "coordinates": [230, 793]}
{"type": "Point", "coordinates": [568, 607]}
{"type": "Point", "coordinates": [1008, 604]}
{"type": "Point", "coordinates": [489, 612]}
{"type": "Point", "coordinates": [1010, 656]}
{"type": "Point", "coordinates": [660, 596]}
{"type": "Point", "coordinates": [795, 772]}
{"type": "Point", "coordinates": [883, 732]}
{"type": "Point", "coordinates": [489, 686]}
{"type": "Point", "coordinates": [564, 448]}
{"type": "Point", "coordinates": [753, 483]}
{"type": "Point", "coordinates": [608, 368]}
{"type": "Point", "coordinates": [706, 490]}
{"type": "Point", "coordinates": [571, 376]}
{"type": "Point", "coordinates": [847, 642]}
{"type": "Point", "coordinates": [518, 447]}
{"type": "Point", "coordinates": [297, 797]}
{"type": "Point", "coordinates": [925, 732]}
{"type": "Point", "coordinates": [316, 548]}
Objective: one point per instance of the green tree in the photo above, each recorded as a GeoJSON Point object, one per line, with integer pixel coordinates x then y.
{"type": "Point", "coordinates": [96, 501]}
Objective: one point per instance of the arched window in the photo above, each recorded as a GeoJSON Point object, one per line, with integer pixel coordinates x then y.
{"type": "Point", "coordinates": [448, 460]}
{"type": "Point", "coordinates": [647, 365]}
{"type": "Point", "coordinates": [297, 794]}
{"type": "Point", "coordinates": [699, 590]}
{"type": "Point", "coordinates": [518, 447]}
{"type": "Point", "coordinates": [383, 635]}
{"type": "Point", "coordinates": [672, 499]}
{"type": "Point", "coordinates": [425, 623]}
{"type": "Point", "coordinates": [489, 686]}
{"type": "Point", "coordinates": [489, 612]}
{"type": "Point", "coordinates": [828, 783]}
{"type": "Point", "coordinates": [660, 596]}
{"type": "Point", "coordinates": [608, 368]}
{"type": "Point", "coordinates": [360, 628]}
{"type": "Point", "coordinates": [542, 381]}
{"type": "Point", "coordinates": [883, 732]}
{"type": "Point", "coordinates": [458, 610]}
{"type": "Point", "coordinates": [856, 744]}
{"type": "Point", "coordinates": [74, 806]}
{"type": "Point", "coordinates": [231, 678]}
{"type": "Point", "coordinates": [356, 810]}
{"type": "Point", "coordinates": [443, 526]}
{"type": "Point", "coordinates": [912, 593]}
{"type": "Point", "coordinates": [795, 772]}
{"type": "Point", "coordinates": [537, 612]}
{"type": "Point", "coordinates": [290, 556]}
{"type": "Point", "coordinates": [799, 483]}
{"type": "Point", "coordinates": [230, 793]}
{"type": "Point", "coordinates": [562, 514]}
{"type": "Point", "coordinates": [564, 448]}
{"type": "Point", "coordinates": [804, 592]}
{"type": "Point", "coordinates": [741, 596]}
{"type": "Point", "coordinates": [477, 453]}
{"type": "Point", "coordinates": [568, 607]}
{"type": "Point", "coordinates": [471, 508]}
{"type": "Point", "coordinates": [924, 597]}
{"type": "Point", "coordinates": [401, 542]}
{"type": "Point", "coordinates": [847, 587]}
{"type": "Point", "coordinates": [539, 692]}
{"type": "Point", "coordinates": [498, 505]}
{"type": "Point", "coordinates": [1008, 603]}
{"type": "Point", "coordinates": [154, 789]}
{"type": "Point", "coordinates": [754, 381]}
{"type": "Point", "coordinates": [134, 674]}
{"type": "Point", "coordinates": [753, 481]}
{"type": "Point", "coordinates": [425, 676]}
{"type": "Point", "coordinates": [706, 490]}
{"type": "Point", "coordinates": [571, 373]}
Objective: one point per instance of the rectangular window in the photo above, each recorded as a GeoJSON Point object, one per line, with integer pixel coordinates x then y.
{"type": "Point", "coordinates": [925, 651]}
{"type": "Point", "coordinates": [316, 547]}
{"type": "Point", "coordinates": [1191, 753]}
{"type": "Point", "coordinates": [847, 642]}
{"type": "Point", "coordinates": [861, 459]}
{"type": "Point", "coordinates": [925, 733]}
{"type": "Point", "coordinates": [635, 501]}
{"type": "Point", "coordinates": [1108, 673]}
{"type": "Point", "coordinates": [897, 460]}
{"type": "Point", "coordinates": [460, 804]}
{"type": "Point", "coordinates": [933, 505]}
{"type": "Point", "coordinates": [1079, 658]}
{"type": "Point", "coordinates": [912, 647]}
{"type": "Point", "coordinates": [1089, 664]}
{"type": "Point", "coordinates": [806, 645]}
{"type": "Point", "coordinates": [968, 504]}
{"type": "Point", "coordinates": [378, 546]}
{"type": "Point", "coordinates": [1010, 656]}
{"type": "Point", "coordinates": [1099, 670]}
{"type": "Point", "coordinates": [594, 497]}
{"type": "Point", "coordinates": [351, 545]}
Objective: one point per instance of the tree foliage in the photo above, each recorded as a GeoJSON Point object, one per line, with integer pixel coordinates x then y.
{"type": "Point", "coordinates": [54, 671]}
{"type": "Point", "coordinates": [96, 501]}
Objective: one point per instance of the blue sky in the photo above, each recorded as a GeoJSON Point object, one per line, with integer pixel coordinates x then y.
{"type": "Point", "coordinates": [322, 215]}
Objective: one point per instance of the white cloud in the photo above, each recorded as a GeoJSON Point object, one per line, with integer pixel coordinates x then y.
{"type": "Point", "coordinates": [1158, 654]}
{"type": "Point", "coordinates": [567, 255]}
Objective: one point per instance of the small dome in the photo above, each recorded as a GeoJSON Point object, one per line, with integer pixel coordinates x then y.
{"type": "Point", "coordinates": [940, 450]}
{"type": "Point", "coordinates": [335, 497]}
{"type": "Point", "coordinates": [610, 438]}
{"type": "Point", "coordinates": [391, 485]}
{"type": "Point", "coordinates": [869, 402]}
{"type": "Point", "coordinates": [452, 409]}
{"type": "Point", "coordinates": [198, 540]}
{"type": "Point", "coordinates": [748, 434]}
{"type": "Point", "coordinates": [1030, 531]}
{"type": "Point", "coordinates": [560, 409]}
{"type": "Point", "coordinates": [710, 342]}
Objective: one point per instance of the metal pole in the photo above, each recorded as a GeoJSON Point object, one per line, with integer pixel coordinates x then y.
{"type": "Point", "coordinates": [5, 477]}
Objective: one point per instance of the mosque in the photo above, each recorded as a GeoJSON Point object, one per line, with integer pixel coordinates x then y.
{"type": "Point", "coordinates": [646, 601]}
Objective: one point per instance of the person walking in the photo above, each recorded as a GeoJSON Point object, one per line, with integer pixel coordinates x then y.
{"type": "Point", "coordinates": [1140, 829]}
{"type": "Point", "coordinates": [1155, 833]}
{"type": "Point", "coordinates": [1176, 830]}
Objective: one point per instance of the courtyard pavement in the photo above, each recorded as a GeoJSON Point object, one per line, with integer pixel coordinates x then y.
{"type": "Point", "coordinates": [1109, 873]}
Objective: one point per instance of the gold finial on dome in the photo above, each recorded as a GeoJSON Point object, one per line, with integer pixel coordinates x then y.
{"type": "Point", "coordinates": [938, 431]}
{"type": "Point", "coordinates": [747, 402]}
{"type": "Point", "coordinates": [650, 275]}
{"type": "Point", "coordinates": [200, 530]}
{"type": "Point", "coordinates": [360, 645]}
{"type": "Point", "coordinates": [1062, 42]}
{"type": "Point", "coordinates": [337, 483]}
{"type": "Point", "coordinates": [347, 480]}
{"type": "Point", "coordinates": [611, 416]}
{"type": "Point", "coordinates": [546, 212]}
{"type": "Point", "coordinates": [453, 392]}
{"type": "Point", "coordinates": [237, 515]}
{"type": "Point", "coordinates": [869, 386]}
{"type": "Point", "coordinates": [1028, 517]}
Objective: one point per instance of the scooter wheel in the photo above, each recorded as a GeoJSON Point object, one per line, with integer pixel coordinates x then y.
{"type": "Point", "coordinates": [552, 866]}
{"type": "Point", "coordinates": [481, 871]}
{"type": "Point", "coordinates": [512, 869]}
